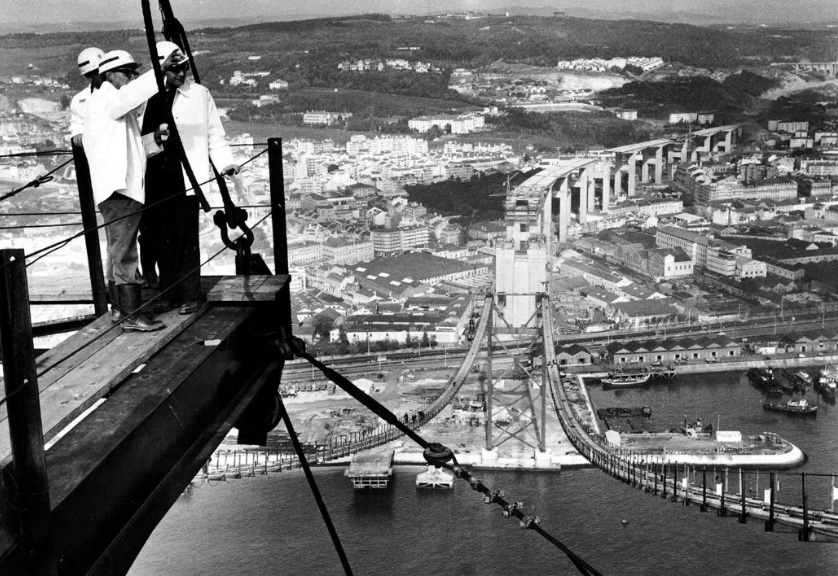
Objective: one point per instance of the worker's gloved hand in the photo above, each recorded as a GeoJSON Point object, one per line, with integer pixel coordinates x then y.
{"type": "Point", "coordinates": [172, 60]}
{"type": "Point", "coordinates": [161, 134]}
{"type": "Point", "coordinates": [231, 170]}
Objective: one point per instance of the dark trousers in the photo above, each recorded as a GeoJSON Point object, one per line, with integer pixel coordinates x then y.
{"type": "Point", "coordinates": [122, 221]}
{"type": "Point", "coordinates": [171, 232]}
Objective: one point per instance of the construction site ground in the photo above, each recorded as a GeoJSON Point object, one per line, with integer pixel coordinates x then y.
{"type": "Point", "coordinates": [407, 389]}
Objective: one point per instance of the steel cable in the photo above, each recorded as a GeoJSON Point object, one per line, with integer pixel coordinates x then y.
{"type": "Point", "coordinates": [47, 250]}
{"type": "Point", "coordinates": [298, 348]}
{"type": "Point", "coordinates": [42, 179]}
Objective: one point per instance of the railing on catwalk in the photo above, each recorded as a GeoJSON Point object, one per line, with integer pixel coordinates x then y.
{"type": "Point", "coordinates": [808, 498]}
{"type": "Point", "coordinates": [21, 219]}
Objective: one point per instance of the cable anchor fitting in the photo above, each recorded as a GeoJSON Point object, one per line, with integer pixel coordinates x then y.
{"type": "Point", "coordinates": [437, 454]}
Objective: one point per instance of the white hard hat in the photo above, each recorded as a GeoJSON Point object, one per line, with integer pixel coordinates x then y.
{"type": "Point", "coordinates": [164, 48]}
{"type": "Point", "coordinates": [116, 59]}
{"type": "Point", "coordinates": [89, 60]}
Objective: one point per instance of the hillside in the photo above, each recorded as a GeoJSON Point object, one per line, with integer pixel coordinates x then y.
{"type": "Point", "coordinates": [306, 53]}
{"type": "Point", "coordinates": [737, 94]}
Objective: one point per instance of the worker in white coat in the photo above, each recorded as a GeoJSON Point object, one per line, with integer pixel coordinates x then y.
{"type": "Point", "coordinates": [172, 228]}
{"type": "Point", "coordinates": [88, 61]}
{"type": "Point", "coordinates": [117, 158]}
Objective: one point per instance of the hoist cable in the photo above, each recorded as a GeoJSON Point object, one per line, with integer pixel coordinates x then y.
{"type": "Point", "coordinates": [312, 483]}
{"type": "Point", "coordinates": [174, 136]}
{"type": "Point", "coordinates": [174, 32]}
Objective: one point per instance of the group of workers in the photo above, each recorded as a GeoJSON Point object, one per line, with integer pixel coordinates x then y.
{"type": "Point", "coordinates": [120, 123]}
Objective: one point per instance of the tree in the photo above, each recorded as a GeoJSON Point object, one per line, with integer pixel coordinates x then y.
{"type": "Point", "coordinates": [426, 342]}
{"type": "Point", "coordinates": [433, 341]}
{"type": "Point", "coordinates": [322, 326]}
{"type": "Point", "coordinates": [64, 101]}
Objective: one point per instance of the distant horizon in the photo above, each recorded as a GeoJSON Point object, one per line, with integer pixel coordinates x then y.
{"type": "Point", "coordinates": [100, 15]}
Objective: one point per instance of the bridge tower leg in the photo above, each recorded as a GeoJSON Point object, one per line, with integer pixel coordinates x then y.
{"type": "Point", "coordinates": [516, 397]}
{"type": "Point", "coordinates": [490, 391]}
{"type": "Point", "coordinates": [632, 175]}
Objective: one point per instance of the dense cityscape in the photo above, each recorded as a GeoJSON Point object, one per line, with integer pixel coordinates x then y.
{"type": "Point", "coordinates": [659, 214]}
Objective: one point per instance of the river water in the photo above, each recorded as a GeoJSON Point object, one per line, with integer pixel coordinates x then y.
{"type": "Point", "coordinates": [270, 525]}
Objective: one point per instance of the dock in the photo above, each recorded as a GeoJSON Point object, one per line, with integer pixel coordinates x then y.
{"type": "Point", "coordinates": [371, 470]}
{"type": "Point", "coordinates": [435, 478]}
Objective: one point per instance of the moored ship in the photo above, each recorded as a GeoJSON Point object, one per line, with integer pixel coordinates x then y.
{"type": "Point", "coordinates": [801, 407]}
{"type": "Point", "coordinates": [788, 381]}
{"type": "Point", "coordinates": [624, 379]}
{"type": "Point", "coordinates": [826, 386]}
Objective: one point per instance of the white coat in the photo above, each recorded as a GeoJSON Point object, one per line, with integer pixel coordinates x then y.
{"type": "Point", "coordinates": [78, 108]}
{"type": "Point", "coordinates": [201, 132]}
{"type": "Point", "coordinates": [112, 139]}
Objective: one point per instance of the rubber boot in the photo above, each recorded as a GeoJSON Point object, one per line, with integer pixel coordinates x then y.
{"type": "Point", "coordinates": [130, 296]}
{"type": "Point", "coordinates": [113, 296]}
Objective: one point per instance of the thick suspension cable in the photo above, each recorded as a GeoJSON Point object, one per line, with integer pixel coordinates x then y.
{"type": "Point", "coordinates": [297, 346]}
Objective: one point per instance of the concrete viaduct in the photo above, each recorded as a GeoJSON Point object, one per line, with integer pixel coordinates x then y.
{"type": "Point", "coordinates": [658, 154]}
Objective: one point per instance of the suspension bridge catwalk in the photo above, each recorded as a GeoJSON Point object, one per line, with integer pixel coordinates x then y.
{"type": "Point", "coordinates": [101, 434]}
{"type": "Point", "coordinates": [653, 474]}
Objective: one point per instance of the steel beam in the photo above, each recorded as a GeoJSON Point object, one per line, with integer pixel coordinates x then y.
{"type": "Point", "coordinates": [117, 473]}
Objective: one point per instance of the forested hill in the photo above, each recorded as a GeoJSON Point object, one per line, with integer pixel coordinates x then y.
{"type": "Point", "coordinates": [737, 93]}
{"type": "Point", "coordinates": [306, 53]}
{"type": "Point", "coordinates": [543, 41]}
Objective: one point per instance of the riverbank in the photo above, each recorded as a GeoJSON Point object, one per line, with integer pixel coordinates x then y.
{"type": "Point", "coordinates": [763, 451]}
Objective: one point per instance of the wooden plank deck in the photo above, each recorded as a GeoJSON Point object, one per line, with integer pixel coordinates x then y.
{"type": "Point", "coordinates": [85, 367]}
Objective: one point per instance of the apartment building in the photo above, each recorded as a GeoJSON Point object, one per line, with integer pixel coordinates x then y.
{"type": "Point", "coordinates": [342, 251]}
{"type": "Point", "coordinates": [392, 241]}
{"type": "Point", "coordinates": [305, 252]}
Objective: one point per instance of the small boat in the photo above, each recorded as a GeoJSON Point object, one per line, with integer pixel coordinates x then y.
{"type": "Point", "coordinates": [826, 386]}
{"type": "Point", "coordinates": [830, 371]}
{"type": "Point", "coordinates": [620, 379]}
{"type": "Point", "coordinates": [800, 406]}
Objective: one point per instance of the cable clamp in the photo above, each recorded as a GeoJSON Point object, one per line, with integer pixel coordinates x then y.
{"type": "Point", "coordinates": [437, 454]}
{"type": "Point", "coordinates": [528, 522]}
{"type": "Point", "coordinates": [493, 497]}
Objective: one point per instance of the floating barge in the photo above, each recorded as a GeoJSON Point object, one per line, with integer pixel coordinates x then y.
{"type": "Point", "coordinates": [435, 478]}
{"type": "Point", "coordinates": [371, 470]}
